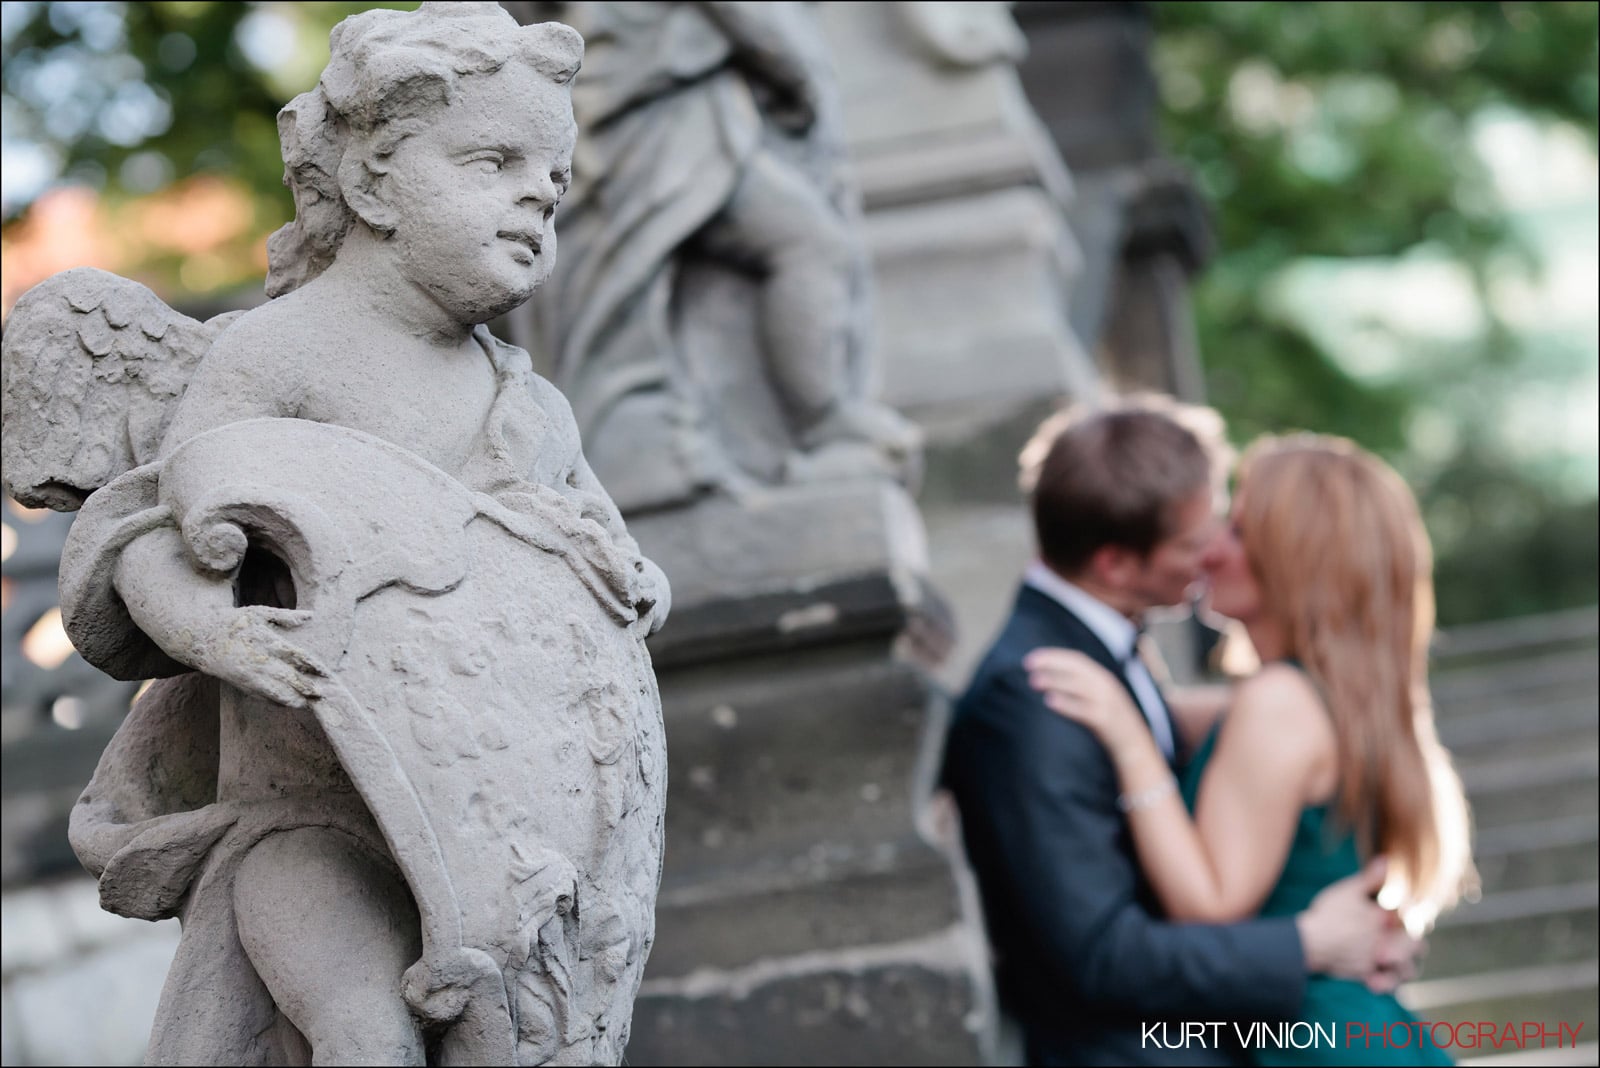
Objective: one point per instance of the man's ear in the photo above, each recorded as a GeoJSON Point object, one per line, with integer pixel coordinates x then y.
{"type": "Point", "coordinates": [1114, 566]}
{"type": "Point", "coordinates": [364, 184]}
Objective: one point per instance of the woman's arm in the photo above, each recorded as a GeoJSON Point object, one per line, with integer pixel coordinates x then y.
{"type": "Point", "coordinates": [1219, 866]}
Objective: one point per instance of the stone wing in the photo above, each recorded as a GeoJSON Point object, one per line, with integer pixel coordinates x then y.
{"type": "Point", "coordinates": [92, 369]}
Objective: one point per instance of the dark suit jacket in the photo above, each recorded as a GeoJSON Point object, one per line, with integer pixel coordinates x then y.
{"type": "Point", "coordinates": [1082, 961]}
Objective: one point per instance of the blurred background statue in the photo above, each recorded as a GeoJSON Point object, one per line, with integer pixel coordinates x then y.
{"type": "Point", "coordinates": [711, 179]}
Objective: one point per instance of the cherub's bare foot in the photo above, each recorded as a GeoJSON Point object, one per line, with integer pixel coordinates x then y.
{"type": "Point", "coordinates": [856, 436]}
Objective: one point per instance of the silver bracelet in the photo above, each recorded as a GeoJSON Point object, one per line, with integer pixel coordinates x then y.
{"type": "Point", "coordinates": [1147, 798]}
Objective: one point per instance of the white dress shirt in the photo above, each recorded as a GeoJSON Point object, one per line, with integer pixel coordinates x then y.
{"type": "Point", "coordinates": [1119, 636]}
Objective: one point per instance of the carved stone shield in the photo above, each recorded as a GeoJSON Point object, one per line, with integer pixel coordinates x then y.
{"type": "Point", "coordinates": [491, 698]}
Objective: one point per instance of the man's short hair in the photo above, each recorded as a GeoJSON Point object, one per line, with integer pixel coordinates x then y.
{"type": "Point", "coordinates": [1117, 474]}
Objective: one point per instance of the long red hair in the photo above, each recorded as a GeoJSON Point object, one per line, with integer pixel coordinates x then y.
{"type": "Point", "coordinates": [1336, 543]}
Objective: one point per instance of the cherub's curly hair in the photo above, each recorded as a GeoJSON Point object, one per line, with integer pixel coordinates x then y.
{"type": "Point", "coordinates": [388, 71]}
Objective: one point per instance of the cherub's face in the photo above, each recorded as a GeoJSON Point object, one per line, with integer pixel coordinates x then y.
{"type": "Point", "coordinates": [473, 193]}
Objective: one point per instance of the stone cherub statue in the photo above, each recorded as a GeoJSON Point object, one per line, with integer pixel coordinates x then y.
{"type": "Point", "coordinates": [713, 144]}
{"type": "Point", "coordinates": [402, 772]}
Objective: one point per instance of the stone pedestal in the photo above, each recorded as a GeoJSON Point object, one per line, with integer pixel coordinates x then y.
{"type": "Point", "coordinates": [965, 210]}
{"type": "Point", "coordinates": [783, 567]}
{"type": "Point", "coordinates": [810, 912]}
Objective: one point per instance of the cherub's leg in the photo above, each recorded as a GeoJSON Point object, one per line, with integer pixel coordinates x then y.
{"type": "Point", "coordinates": [785, 227]}
{"type": "Point", "coordinates": [330, 930]}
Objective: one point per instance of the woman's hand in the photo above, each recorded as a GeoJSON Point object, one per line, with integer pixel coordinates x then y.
{"type": "Point", "coordinates": [1084, 692]}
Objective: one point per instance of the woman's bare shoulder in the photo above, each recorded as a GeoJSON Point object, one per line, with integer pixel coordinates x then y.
{"type": "Point", "coordinates": [1279, 707]}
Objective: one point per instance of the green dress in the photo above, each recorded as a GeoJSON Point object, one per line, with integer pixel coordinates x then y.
{"type": "Point", "coordinates": [1323, 853]}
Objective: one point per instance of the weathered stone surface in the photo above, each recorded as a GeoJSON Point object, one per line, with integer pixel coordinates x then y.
{"type": "Point", "coordinates": [813, 777]}
{"type": "Point", "coordinates": [1007, 252]}
{"type": "Point", "coordinates": [789, 566]}
{"type": "Point", "coordinates": [903, 1004]}
{"type": "Point", "coordinates": [402, 774]}
{"type": "Point", "coordinates": [972, 257]}
{"type": "Point", "coordinates": [810, 912]}
{"type": "Point", "coordinates": [1088, 73]}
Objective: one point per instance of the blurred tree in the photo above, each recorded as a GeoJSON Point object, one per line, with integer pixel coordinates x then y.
{"type": "Point", "coordinates": [126, 97]}
{"type": "Point", "coordinates": [1344, 132]}
{"type": "Point", "coordinates": [96, 88]}
{"type": "Point", "coordinates": [167, 110]}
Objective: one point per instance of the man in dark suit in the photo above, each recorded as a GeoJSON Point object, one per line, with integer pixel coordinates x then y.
{"type": "Point", "coordinates": [1124, 514]}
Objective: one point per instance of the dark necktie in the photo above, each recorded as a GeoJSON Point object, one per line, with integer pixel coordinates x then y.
{"type": "Point", "coordinates": [1169, 744]}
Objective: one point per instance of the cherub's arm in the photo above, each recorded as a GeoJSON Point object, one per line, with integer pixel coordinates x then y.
{"type": "Point", "coordinates": [189, 609]}
{"type": "Point", "coordinates": [190, 613]}
{"type": "Point", "coordinates": [600, 507]}
{"type": "Point", "coordinates": [1219, 866]}
{"type": "Point", "coordinates": [581, 485]}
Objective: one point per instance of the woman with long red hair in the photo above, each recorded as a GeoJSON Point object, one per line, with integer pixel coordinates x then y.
{"type": "Point", "coordinates": [1328, 755]}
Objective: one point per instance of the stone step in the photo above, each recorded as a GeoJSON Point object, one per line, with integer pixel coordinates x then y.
{"type": "Point", "coordinates": [1544, 993]}
{"type": "Point", "coordinates": [1516, 772]}
{"type": "Point", "coordinates": [1539, 834]}
{"type": "Point", "coordinates": [1511, 638]}
{"type": "Point", "coordinates": [1545, 727]}
{"type": "Point", "coordinates": [1520, 904]}
{"type": "Point", "coordinates": [1520, 790]}
{"type": "Point", "coordinates": [727, 924]}
{"type": "Point", "coordinates": [1553, 709]}
{"type": "Point", "coordinates": [1556, 747]}
{"type": "Point", "coordinates": [899, 1003]}
{"type": "Point", "coordinates": [1525, 681]}
{"type": "Point", "coordinates": [1536, 925]}
{"type": "Point", "coordinates": [1539, 866]}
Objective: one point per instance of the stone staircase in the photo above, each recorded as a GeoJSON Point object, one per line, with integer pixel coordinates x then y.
{"type": "Point", "coordinates": [1517, 706]}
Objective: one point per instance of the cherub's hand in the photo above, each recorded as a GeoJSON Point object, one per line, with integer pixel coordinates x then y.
{"type": "Point", "coordinates": [251, 652]}
{"type": "Point", "coordinates": [464, 988]}
{"type": "Point", "coordinates": [658, 598]}
{"type": "Point", "coordinates": [1083, 691]}
{"type": "Point", "coordinates": [440, 987]}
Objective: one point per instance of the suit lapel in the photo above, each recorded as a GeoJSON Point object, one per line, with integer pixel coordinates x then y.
{"type": "Point", "coordinates": [1063, 628]}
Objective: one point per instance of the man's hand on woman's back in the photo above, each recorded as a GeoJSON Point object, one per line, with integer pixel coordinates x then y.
{"type": "Point", "coordinates": [1345, 933]}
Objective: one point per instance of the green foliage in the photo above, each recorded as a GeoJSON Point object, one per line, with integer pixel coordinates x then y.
{"type": "Point", "coordinates": [1527, 550]}
{"type": "Point", "coordinates": [127, 97]}
{"type": "Point", "coordinates": [1345, 132]}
